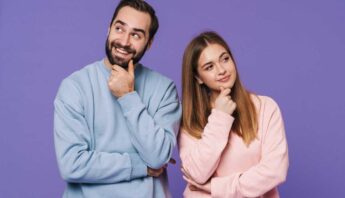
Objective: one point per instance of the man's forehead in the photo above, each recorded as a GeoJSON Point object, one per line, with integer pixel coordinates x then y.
{"type": "Point", "coordinates": [133, 18]}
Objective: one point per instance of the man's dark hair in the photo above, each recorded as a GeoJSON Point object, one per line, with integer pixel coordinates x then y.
{"type": "Point", "coordinates": [142, 6]}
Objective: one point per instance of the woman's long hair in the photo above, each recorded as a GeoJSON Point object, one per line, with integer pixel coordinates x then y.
{"type": "Point", "coordinates": [196, 105]}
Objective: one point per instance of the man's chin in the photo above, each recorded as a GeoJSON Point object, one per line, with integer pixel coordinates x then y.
{"type": "Point", "coordinates": [122, 63]}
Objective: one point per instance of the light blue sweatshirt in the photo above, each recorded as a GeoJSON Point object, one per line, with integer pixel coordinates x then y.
{"type": "Point", "coordinates": [104, 144]}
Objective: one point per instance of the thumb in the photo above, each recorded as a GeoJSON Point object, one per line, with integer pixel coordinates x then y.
{"type": "Point", "coordinates": [172, 161]}
{"type": "Point", "coordinates": [131, 67]}
{"type": "Point", "coordinates": [222, 90]}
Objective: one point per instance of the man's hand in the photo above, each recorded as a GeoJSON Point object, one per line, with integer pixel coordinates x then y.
{"type": "Point", "coordinates": [121, 81]}
{"type": "Point", "coordinates": [193, 186]}
{"type": "Point", "coordinates": [157, 172]}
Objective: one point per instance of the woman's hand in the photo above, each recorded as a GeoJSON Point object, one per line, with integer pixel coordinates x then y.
{"type": "Point", "coordinates": [224, 102]}
{"type": "Point", "coordinates": [193, 186]}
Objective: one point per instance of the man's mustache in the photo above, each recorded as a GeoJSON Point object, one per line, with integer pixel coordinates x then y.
{"type": "Point", "coordinates": [126, 48]}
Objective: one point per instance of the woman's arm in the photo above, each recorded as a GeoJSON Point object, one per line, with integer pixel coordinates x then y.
{"type": "Point", "coordinates": [200, 157]}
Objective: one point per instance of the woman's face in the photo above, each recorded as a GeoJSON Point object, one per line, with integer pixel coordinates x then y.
{"type": "Point", "coordinates": [216, 68]}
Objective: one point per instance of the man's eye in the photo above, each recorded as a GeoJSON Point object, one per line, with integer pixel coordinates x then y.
{"type": "Point", "coordinates": [136, 36]}
{"type": "Point", "coordinates": [118, 29]}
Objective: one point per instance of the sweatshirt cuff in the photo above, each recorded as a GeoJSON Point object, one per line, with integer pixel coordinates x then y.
{"type": "Point", "coordinates": [139, 169]}
{"type": "Point", "coordinates": [220, 116]}
{"type": "Point", "coordinates": [220, 122]}
{"type": "Point", "coordinates": [130, 101]}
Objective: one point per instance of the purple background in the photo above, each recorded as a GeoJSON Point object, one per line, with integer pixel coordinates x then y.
{"type": "Point", "coordinates": [292, 51]}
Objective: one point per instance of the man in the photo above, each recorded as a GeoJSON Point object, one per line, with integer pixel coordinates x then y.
{"type": "Point", "coordinates": [116, 121]}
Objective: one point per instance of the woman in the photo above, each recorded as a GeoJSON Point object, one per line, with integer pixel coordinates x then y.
{"type": "Point", "coordinates": [232, 142]}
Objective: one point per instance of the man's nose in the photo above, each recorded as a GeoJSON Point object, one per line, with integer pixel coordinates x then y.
{"type": "Point", "coordinates": [125, 40]}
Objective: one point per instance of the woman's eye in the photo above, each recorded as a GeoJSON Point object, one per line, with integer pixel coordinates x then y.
{"type": "Point", "coordinates": [209, 67]}
{"type": "Point", "coordinates": [226, 59]}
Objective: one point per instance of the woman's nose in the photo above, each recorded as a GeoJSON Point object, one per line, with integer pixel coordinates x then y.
{"type": "Point", "coordinates": [221, 69]}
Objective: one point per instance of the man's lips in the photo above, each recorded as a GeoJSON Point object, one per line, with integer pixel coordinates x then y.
{"type": "Point", "coordinates": [121, 51]}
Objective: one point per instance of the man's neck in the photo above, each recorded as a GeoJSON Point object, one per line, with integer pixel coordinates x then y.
{"type": "Point", "coordinates": [107, 63]}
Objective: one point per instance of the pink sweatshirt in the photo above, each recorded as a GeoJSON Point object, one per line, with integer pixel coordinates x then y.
{"type": "Point", "coordinates": [234, 169]}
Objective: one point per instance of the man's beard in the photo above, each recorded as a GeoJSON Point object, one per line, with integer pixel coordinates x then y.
{"type": "Point", "coordinates": [114, 60]}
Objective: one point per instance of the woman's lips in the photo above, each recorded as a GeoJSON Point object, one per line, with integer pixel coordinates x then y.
{"type": "Point", "coordinates": [224, 79]}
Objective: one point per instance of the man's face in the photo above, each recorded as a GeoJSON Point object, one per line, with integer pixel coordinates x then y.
{"type": "Point", "coordinates": [128, 36]}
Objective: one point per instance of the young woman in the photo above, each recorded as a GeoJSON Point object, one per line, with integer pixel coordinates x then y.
{"type": "Point", "coordinates": [232, 142]}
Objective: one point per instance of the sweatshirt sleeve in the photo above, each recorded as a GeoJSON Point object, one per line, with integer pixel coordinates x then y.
{"type": "Point", "coordinates": [153, 136]}
{"type": "Point", "coordinates": [269, 172]}
{"type": "Point", "coordinates": [200, 157]}
{"type": "Point", "coordinates": [77, 162]}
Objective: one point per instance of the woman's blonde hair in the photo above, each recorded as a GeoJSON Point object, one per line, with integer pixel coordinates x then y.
{"type": "Point", "coordinates": [195, 96]}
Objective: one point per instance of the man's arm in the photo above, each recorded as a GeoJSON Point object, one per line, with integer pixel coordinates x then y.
{"type": "Point", "coordinates": [76, 161]}
{"type": "Point", "coordinates": [154, 136]}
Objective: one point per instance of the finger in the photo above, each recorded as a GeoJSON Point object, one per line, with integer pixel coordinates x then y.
{"type": "Point", "coordinates": [117, 68]}
{"type": "Point", "coordinates": [114, 68]}
{"type": "Point", "coordinates": [156, 172]}
{"type": "Point", "coordinates": [225, 92]}
{"type": "Point", "coordinates": [185, 173]}
{"type": "Point", "coordinates": [114, 73]}
{"type": "Point", "coordinates": [161, 170]}
{"type": "Point", "coordinates": [189, 181]}
{"type": "Point", "coordinates": [193, 188]}
{"type": "Point", "coordinates": [131, 68]}
{"type": "Point", "coordinates": [186, 179]}
{"type": "Point", "coordinates": [172, 161]}
{"type": "Point", "coordinates": [149, 172]}
{"type": "Point", "coordinates": [234, 105]}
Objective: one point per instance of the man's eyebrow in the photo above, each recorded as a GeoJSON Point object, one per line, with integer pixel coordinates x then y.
{"type": "Point", "coordinates": [121, 22]}
{"type": "Point", "coordinates": [135, 29]}
{"type": "Point", "coordinates": [139, 30]}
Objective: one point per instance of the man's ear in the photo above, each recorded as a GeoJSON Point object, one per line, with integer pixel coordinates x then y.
{"type": "Point", "coordinates": [199, 80]}
{"type": "Point", "coordinates": [149, 43]}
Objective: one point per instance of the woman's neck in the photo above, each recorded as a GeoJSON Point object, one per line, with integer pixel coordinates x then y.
{"type": "Point", "coordinates": [213, 97]}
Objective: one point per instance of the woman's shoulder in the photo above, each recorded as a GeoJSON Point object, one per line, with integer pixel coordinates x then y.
{"type": "Point", "coordinates": [264, 102]}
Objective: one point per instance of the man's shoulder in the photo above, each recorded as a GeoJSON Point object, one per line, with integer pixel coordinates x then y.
{"type": "Point", "coordinates": [84, 72]}
{"type": "Point", "coordinates": [78, 79]}
{"type": "Point", "coordinates": [154, 76]}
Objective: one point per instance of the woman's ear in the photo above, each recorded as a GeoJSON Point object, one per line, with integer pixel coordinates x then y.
{"type": "Point", "coordinates": [199, 80]}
